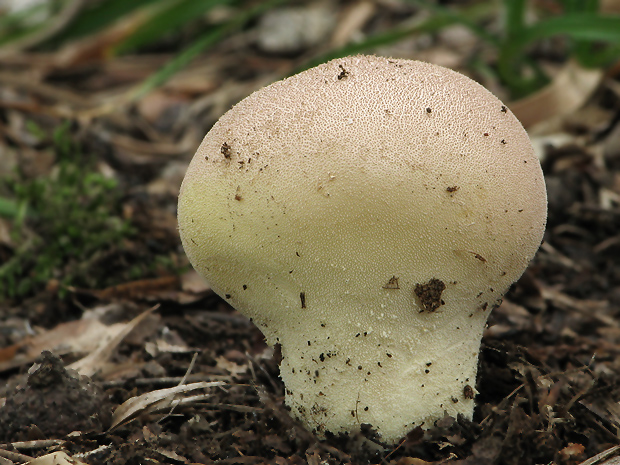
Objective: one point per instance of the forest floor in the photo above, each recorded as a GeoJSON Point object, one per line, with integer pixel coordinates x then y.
{"type": "Point", "coordinates": [94, 165]}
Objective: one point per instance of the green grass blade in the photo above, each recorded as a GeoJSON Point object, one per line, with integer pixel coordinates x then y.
{"type": "Point", "coordinates": [597, 58]}
{"type": "Point", "coordinates": [432, 24]}
{"type": "Point", "coordinates": [179, 62]}
{"type": "Point", "coordinates": [580, 6]}
{"type": "Point", "coordinates": [583, 26]}
{"type": "Point", "coordinates": [201, 44]}
{"type": "Point", "coordinates": [468, 17]}
{"type": "Point", "coordinates": [97, 17]}
{"type": "Point", "coordinates": [14, 26]}
{"type": "Point", "coordinates": [8, 208]}
{"type": "Point", "coordinates": [171, 16]}
{"type": "Point", "coordinates": [514, 17]}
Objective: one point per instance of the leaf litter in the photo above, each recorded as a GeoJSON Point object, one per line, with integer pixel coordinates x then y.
{"type": "Point", "coordinates": [549, 377]}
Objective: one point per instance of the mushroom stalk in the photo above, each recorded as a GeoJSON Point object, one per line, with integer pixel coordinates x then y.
{"type": "Point", "coordinates": [367, 215]}
{"type": "Point", "coordinates": [393, 372]}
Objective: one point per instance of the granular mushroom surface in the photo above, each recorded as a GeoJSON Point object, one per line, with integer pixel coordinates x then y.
{"type": "Point", "coordinates": [367, 214]}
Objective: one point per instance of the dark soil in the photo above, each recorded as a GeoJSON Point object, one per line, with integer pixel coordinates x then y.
{"type": "Point", "coordinates": [549, 375]}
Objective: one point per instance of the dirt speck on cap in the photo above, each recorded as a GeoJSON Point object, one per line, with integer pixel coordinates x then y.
{"type": "Point", "coordinates": [430, 294]}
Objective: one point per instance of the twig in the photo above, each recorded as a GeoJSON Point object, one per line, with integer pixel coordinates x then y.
{"type": "Point", "coordinates": [30, 445]}
{"type": "Point", "coordinates": [181, 383]}
{"type": "Point", "coordinates": [189, 369]}
{"type": "Point", "coordinates": [43, 90]}
{"type": "Point", "coordinates": [14, 456]}
{"type": "Point", "coordinates": [602, 456]}
{"type": "Point", "coordinates": [165, 381]}
{"type": "Point", "coordinates": [274, 385]}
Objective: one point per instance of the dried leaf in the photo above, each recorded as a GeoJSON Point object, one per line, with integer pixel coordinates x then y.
{"type": "Point", "coordinates": [610, 6]}
{"type": "Point", "coordinates": [353, 21]}
{"type": "Point", "coordinates": [412, 461]}
{"type": "Point", "coordinates": [81, 336]}
{"type": "Point", "coordinates": [568, 91]}
{"type": "Point", "coordinates": [194, 283]}
{"type": "Point", "coordinates": [136, 405]}
{"type": "Point", "coordinates": [572, 450]}
{"type": "Point", "coordinates": [90, 364]}
{"type": "Point", "coordinates": [231, 367]}
{"type": "Point", "coordinates": [55, 458]}
{"type": "Point", "coordinates": [601, 459]}
{"type": "Point", "coordinates": [135, 289]}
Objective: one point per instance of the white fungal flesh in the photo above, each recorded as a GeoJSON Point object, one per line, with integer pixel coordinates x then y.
{"type": "Point", "coordinates": [367, 214]}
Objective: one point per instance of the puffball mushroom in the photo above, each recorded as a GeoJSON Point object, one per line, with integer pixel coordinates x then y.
{"type": "Point", "coordinates": [367, 215]}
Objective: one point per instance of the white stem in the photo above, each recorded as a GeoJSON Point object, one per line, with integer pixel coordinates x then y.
{"type": "Point", "coordinates": [393, 376]}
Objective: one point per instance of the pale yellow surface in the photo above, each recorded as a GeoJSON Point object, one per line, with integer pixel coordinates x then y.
{"type": "Point", "coordinates": [328, 184]}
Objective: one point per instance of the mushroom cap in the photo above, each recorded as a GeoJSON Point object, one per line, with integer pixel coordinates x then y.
{"type": "Point", "coordinates": [332, 198]}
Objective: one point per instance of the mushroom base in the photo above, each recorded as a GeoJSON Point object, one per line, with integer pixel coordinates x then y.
{"type": "Point", "coordinates": [367, 214]}
{"type": "Point", "coordinates": [394, 382]}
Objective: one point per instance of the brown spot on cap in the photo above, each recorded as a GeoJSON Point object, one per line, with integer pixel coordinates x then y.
{"type": "Point", "coordinates": [430, 294]}
{"type": "Point", "coordinates": [226, 150]}
{"type": "Point", "coordinates": [392, 283]}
